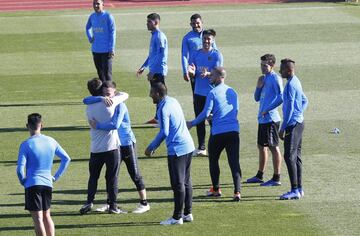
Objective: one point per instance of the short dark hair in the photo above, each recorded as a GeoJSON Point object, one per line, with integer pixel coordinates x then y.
{"type": "Point", "coordinates": [269, 58]}
{"type": "Point", "coordinates": [287, 60]}
{"type": "Point", "coordinates": [154, 16]}
{"type": "Point", "coordinates": [34, 120]}
{"type": "Point", "coordinates": [210, 31]}
{"type": "Point", "coordinates": [94, 86]}
{"type": "Point", "coordinates": [195, 16]}
{"type": "Point", "coordinates": [159, 88]}
{"type": "Point", "coordinates": [288, 63]}
{"type": "Point", "coordinates": [109, 84]}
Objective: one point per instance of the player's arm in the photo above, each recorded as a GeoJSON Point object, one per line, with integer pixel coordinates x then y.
{"type": "Point", "coordinates": [209, 104]}
{"type": "Point", "coordinates": [220, 61]}
{"type": "Point", "coordinates": [112, 33]}
{"type": "Point", "coordinates": [143, 67]}
{"type": "Point", "coordinates": [277, 88]}
{"type": "Point", "coordinates": [89, 32]}
{"type": "Point", "coordinates": [116, 120]}
{"type": "Point", "coordinates": [305, 101]}
{"type": "Point", "coordinates": [159, 137]}
{"type": "Point", "coordinates": [21, 163]}
{"type": "Point", "coordinates": [184, 58]}
{"type": "Point", "coordinates": [162, 45]}
{"type": "Point", "coordinates": [65, 161]}
{"type": "Point", "coordinates": [116, 100]}
{"type": "Point", "coordinates": [288, 107]}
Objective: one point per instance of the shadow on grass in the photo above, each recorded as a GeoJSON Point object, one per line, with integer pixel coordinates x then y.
{"type": "Point", "coordinates": [63, 128]}
{"type": "Point", "coordinates": [42, 104]}
{"type": "Point", "coordinates": [77, 226]}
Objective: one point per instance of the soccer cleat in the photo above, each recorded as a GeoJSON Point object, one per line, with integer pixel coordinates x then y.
{"type": "Point", "coordinates": [86, 208]}
{"type": "Point", "coordinates": [116, 211]}
{"type": "Point", "coordinates": [188, 218]}
{"type": "Point", "coordinates": [301, 191]}
{"type": "Point", "coordinates": [141, 209]}
{"type": "Point", "coordinates": [153, 121]}
{"type": "Point", "coordinates": [212, 193]}
{"type": "Point", "coordinates": [271, 183]}
{"type": "Point", "coordinates": [254, 180]}
{"type": "Point", "coordinates": [292, 195]}
{"type": "Point", "coordinates": [172, 221]}
{"type": "Point", "coordinates": [237, 197]}
{"type": "Point", "coordinates": [199, 153]}
{"type": "Point", "coordinates": [103, 208]}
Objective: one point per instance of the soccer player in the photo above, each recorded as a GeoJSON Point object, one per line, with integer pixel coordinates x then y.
{"type": "Point", "coordinates": [35, 160]}
{"type": "Point", "coordinates": [121, 122]}
{"type": "Point", "coordinates": [104, 147]}
{"type": "Point", "coordinates": [268, 93]}
{"type": "Point", "coordinates": [180, 147]}
{"type": "Point", "coordinates": [200, 65]}
{"type": "Point", "coordinates": [222, 102]}
{"type": "Point", "coordinates": [191, 43]}
{"type": "Point", "coordinates": [101, 33]}
{"type": "Point", "coordinates": [295, 103]}
{"type": "Point", "coordinates": [158, 55]}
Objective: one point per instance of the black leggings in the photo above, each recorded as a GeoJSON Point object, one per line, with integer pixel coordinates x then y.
{"type": "Point", "coordinates": [231, 142]}
{"type": "Point", "coordinates": [128, 155]}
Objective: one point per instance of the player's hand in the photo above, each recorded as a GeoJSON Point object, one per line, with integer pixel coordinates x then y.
{"type": "Point", "coordinates": [53, 179]}
{"type": "Point", "coordinates": [111, 55]}
{"type": "Point", "coordinates": [264, 113]}
{"type": "Point", "coordinates": [260, 82]}
{"type": "Point", "coordinates": [191, 70]}
{"type": "Point", "coordinates": [91, 40]}
{"type": "Point", "coordinates": [281, 134]}
{"type": "Point", "coordinates": [148, 152]}
{"type": "Point", "coordinates": [140, 71]}
{"type": "Point", "coordinates": [150, 76]}
{"type": "Point", "coordinates": [108, 101]}
{"type": "Point", "coordinates": [92, 123]}
{"type": "Point", "coordinates": [186, 77]}
{"type": "Point", "coordinates": [188, 124]}
{"type": "Point", "coordinates": [204, 73]}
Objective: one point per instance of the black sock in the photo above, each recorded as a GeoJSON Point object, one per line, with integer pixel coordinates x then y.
{"type": "Point", "coordinates": [276, 177]}
{"type": "Point", "coordinates": [260, 174]}
{"type": "Point", "coordinates": [143, 202]}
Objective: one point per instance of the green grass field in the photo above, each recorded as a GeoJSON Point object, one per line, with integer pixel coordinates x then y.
{"type": "Point", "coordinates": [46, 61]}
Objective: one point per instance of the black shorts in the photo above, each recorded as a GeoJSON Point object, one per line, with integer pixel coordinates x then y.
{"type": "Point", "coordinates": [38, 198]}
{"type": "Point", "coordinates": [268, 134]}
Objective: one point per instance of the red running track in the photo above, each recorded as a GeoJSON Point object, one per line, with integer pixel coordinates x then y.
{"type": "Point", "coordinates": [33, 5]}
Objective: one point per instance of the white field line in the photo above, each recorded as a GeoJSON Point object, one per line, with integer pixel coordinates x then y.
{"type": "Point", "coordinates": [190, 12]}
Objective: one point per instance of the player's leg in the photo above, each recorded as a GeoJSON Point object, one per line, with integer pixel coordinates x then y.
{"type": "Point", "coordinates": [177, 169]}
{"type": "Point", "coordinates": [37, 217]}
{"type": "Point", "coordinates": [112, 162]}
{"type": "Point", "coordinates": [299, 134]}
{"type": "Point", "coordinates": [216, 145]}
{"type": "Point", "coordinates": [108, 67]}
{"type": "Point", "coordinates": [199, 102]}
{"type": "Point", "coordinates": [48, 223]}
{"type": "Point", "coordinates": [233, 154]}
{"type": "Point", "coordinates": [188, 188]}
{"type": "Point", "coordinates": [273, 139]}
{"type": "Point", "coordinates": [97, 57]}
{"type": "Point", "coordinates": [96, 163]}
{"type": "Point", "coordinates": [46, 200]}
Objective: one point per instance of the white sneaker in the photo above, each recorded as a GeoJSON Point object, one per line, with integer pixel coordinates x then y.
{"type": "Point", "coordinates": [188, 218]}
{"type": "Point", "coordinates": [103, 208]}
{"type": "Point", "coordinates": [141, 209]}
{"type": "Point", "coordinates": [116, 211]}
{"type": "Point", "coordinates": [199, 153]}
{"type": "Point", "coordinates": [172, 221]}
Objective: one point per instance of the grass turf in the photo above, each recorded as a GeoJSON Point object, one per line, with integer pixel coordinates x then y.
{"type": "Point", "coordinates": [46, 63]}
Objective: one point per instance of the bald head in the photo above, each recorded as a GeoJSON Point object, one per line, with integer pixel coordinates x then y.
{"type": "Point", "coordinates": [218, 75]}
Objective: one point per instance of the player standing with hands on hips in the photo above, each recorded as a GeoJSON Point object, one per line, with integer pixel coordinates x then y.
{"type": "Point", "coordinates": [35, 160]}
